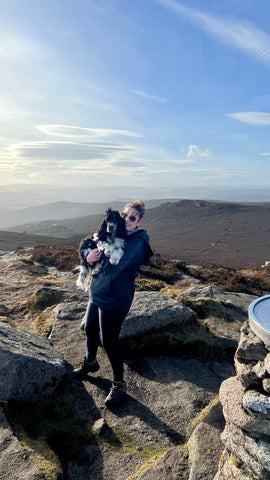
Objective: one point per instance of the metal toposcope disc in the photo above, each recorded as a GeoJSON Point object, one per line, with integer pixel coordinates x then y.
{"type": "Point", "coordinates": [259, 318]}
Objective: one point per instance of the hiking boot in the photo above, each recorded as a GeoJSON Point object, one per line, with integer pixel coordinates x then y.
{"type": "Point", "coordinates": [85, 368]}
{"type": "Point", "coordinates": [117, 393]}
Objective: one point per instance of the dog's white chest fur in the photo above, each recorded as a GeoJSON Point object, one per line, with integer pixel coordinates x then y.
{"type": "Point", "coordinates": [114, 250]}
{"type": "Point", "coordinates": [110, 241]}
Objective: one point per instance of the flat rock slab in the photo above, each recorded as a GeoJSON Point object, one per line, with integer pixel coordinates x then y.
{"type": "Point", "coordinates": [205, 443]}
{"type": "Point", "coordinates": [172, 466]}
{"type": "Point", "coordinates": [164, 395]}
{"type": "Point", "coordinates": [14, 460]}
{"type": "Point", "coordinates": [104, 464]}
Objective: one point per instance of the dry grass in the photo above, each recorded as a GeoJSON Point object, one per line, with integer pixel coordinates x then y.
{"type": "Point", "coordinates": [158, 271]}
{"type": "Point", "coordinates": [64, 258]}
{"type": "Point", "coordinates": [43, 323]}
{"type": "Point", "coordinates": [255, 281]}
{"type": "Point", "coordinates": [203, 307]}
{"type": "Point", "coordinates": [43, 300]}
{"type": "Point", "coordinates": [148, 284]}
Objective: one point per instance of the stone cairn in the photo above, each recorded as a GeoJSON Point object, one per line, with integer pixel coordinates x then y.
{"type": "Point", "coordinates": [245, 399]}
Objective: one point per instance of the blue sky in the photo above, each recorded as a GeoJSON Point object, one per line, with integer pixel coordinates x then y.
{"type": "Point", "coordinates": [146, 93]}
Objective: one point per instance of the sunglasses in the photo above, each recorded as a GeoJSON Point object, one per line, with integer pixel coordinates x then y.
{"type": "Point", "coordinates": [132, 218]}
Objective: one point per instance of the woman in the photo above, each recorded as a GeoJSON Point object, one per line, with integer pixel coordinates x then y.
{"type": "Point", "coordinates": [110, 297]}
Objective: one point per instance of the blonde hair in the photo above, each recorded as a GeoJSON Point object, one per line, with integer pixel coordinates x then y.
{"type": "Point", "coordinates": [138, 205]}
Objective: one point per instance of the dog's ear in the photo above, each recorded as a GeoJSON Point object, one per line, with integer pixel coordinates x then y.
{"type": "Point", "coordinates": [102, 235]}
{"type": "Point", "coordinates": [108, 211]}
{"type": "Point", "coordinates": [84, 242]}
{"type": "Point", "coordinates": [121, 228]}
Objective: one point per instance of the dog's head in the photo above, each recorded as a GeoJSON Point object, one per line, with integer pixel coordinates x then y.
{"type": "Point", "coordinates": [113, 224]}
{"type": "Point", "coordinates": [112, 220]}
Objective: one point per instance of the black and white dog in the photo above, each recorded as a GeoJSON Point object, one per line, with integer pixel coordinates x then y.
{"type": "Point", "coordinates": [110, 240]}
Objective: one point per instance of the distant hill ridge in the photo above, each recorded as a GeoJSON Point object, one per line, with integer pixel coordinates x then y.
{"type": "Point", "coordinates": [59, 211]}
{"type": "Point", "coordinates": [73, 225]}
{"type": "Point", "coordinates": [194, 231]}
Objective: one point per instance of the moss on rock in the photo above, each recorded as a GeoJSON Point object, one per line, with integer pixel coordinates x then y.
{"type": "Point", "coordinates": [45, 298]}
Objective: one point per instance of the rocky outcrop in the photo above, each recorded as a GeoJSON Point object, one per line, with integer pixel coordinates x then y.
{"type": "Point", "coordinates": [246, 407]}
{"type": "Point", "coordinates": [29, 366]}
{"type": "Point", "coordinates": [165, 394]}
{"type": "Point", "coordinates": [174, 367]}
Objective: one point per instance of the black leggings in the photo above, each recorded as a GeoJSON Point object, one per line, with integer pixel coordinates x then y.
{"type": "Point", "coordinates": [107, 324]}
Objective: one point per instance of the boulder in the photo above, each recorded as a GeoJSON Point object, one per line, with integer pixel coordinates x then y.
{"type": "Point", "coordinates": [29, 366]}
{"type": "Point", "coordinates": [228, 470]}
{"type": "Point", "coordinates": [236, 304]}
{"type": "Point", "coordinates": [237, 301]}
{"type": "Point", "coordinates": [199, 291]}
{"type": "Point", "coordinates": [159, 325]}
{"type": "Point", "coordinates": [231, 396]}
{"type": "Point", "coordinates": [266, 385]}
{"type": "Point", "coordinates": [246, 374]}
{"type": "Point", "coordinates": [155, 311]}
{"type": "Point", "coordinates": [250, 348]}
{"type": "Point", "coordinates": [66, 335]}
{"type": "Point", "coordinates": [267, 363]}
{"type": "Point", "coordinates": [251, 452]}
{"type": "Point", "coordinates": [257, 402]}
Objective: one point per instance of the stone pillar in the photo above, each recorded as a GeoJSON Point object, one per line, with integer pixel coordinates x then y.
{"type": "Point", "coordinates": [245, 400]}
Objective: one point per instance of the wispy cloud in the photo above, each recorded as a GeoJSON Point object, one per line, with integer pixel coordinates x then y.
{"type": "Point", "coordinates": [149, 97]}
{"type": "Point", "coordinates": [252, 118]}
{"type": "Point", "coordinates": [239, 34]}
{"type": "Point", "coordinates": [69, 131]}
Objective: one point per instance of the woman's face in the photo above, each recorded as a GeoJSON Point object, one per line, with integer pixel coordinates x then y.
{"type": "Point", "coordinates": [132, 218]}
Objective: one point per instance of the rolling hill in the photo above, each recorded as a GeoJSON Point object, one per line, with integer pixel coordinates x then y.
{"type": "Point", "coordinates": [13, 240]}
{"type": "Point", "coordinates": [22, 218]}
{"type": "Point", "coordinates": [195, 231]}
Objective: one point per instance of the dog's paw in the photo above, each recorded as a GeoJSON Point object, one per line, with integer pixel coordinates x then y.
{"type": "Point", "coordinates": [83, 278]}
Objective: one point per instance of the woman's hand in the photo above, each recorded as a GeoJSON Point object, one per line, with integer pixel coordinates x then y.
{"type": "Point", "coordinates": [93, 256]}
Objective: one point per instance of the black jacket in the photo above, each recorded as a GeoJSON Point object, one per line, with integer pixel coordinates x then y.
{"type": "Point", "coordinates": [113, 288]}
